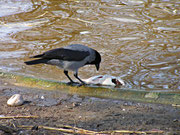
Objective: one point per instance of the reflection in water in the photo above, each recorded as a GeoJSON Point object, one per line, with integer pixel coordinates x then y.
{"type": "Point", "coordinates": [139, 40]}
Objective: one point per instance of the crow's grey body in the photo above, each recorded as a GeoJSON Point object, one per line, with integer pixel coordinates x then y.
{"type": "Point", "coordinates": [71, 58]}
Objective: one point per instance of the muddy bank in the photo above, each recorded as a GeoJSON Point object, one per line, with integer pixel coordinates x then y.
{"type": "Point", "coordinates": [55, 108]}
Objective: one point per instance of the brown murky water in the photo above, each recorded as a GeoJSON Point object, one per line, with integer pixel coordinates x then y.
{"type": "Point", "coordinates": [139, 40]}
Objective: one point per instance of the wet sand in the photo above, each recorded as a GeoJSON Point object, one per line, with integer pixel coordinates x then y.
{"type": "Point", "coordinates": [55, 109]}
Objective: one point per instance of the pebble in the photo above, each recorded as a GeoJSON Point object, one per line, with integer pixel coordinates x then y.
{"type": "Point", "coordinates": [2, 116]}
{"type": "Point", "coordinates": [75, 104]}
{"type": "Point", "coordinates": [15, 100]}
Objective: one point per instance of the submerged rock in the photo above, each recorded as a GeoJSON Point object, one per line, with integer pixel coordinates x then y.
{"type": "Point", "coordinates": [105, 80]}
{"type": "Point", "coordinates": [15, 100]}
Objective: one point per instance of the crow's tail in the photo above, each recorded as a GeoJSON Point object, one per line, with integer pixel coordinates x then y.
{"type": "Point", "coordinates": [39, 61]}
{"type": "Point", "coordinates": [37, 56]}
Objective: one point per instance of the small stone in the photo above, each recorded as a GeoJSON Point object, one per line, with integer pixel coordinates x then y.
{"type": "Point", "coordinates": [175, 120]}
{"type": "Point", "coordinates": [42, 97]}
{"type": "Point", "coordinates": [15, 100]}
{"type": "Point", "coordinates": [75, 104]}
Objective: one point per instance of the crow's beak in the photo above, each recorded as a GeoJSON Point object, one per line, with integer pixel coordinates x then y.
{"type": "Point", "coordinates": [97, 66]}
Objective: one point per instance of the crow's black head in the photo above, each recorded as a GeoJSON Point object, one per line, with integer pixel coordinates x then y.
{"type": "Point", "coordinates": [97, 60]}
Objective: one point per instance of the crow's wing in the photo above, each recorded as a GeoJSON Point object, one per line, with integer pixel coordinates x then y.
{"type": "Point", "coordinates": [64, 54]}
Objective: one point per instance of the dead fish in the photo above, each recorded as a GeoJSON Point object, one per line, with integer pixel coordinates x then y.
{"type": "Point", "coordinates": [105, 80]}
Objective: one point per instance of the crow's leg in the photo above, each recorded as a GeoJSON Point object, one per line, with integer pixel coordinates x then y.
{"type": "Point", "coordinates": [76, 75]}
{"type": "Point", "coordinates": [71, 81]}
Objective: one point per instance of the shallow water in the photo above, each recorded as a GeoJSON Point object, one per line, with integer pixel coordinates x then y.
{"type": "Point", "coordinates": [138, 39]}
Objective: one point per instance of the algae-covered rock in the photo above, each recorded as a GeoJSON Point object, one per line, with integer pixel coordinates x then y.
{"type": "Point", "coordinates": [153, 95]}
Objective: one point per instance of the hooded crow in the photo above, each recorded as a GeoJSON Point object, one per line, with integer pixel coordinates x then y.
{"type": "Point", "coordinates": [69, 58]}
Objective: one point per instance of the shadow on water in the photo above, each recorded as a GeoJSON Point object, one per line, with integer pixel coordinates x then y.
{"type": "Point", "coordinates": [138, 40]}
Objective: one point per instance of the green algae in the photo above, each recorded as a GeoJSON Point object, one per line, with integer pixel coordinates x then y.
{"type": "Point", "coordinates": [93, 91]}
{"type": "Point", "coordinates": [153, 95]}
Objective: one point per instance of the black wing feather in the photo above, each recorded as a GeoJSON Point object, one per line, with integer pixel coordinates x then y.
{"type": "Point", "coordinates": [65, 54]}
{"type": "Point", "coordinates": [37, 56]}
{"type": "Point", "coordinates": [38, 61]}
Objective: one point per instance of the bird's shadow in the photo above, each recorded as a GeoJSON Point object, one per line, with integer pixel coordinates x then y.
{"type": "Point", "coordinates": [76, 84]}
